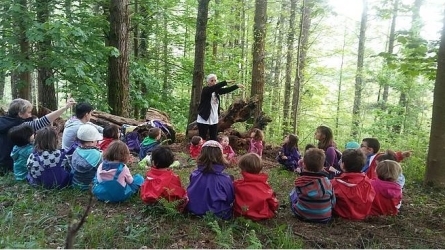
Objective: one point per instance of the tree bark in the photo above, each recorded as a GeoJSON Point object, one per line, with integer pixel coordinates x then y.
{"type": "Point", "coordinates": [259, 37]}
{"type": "Point", "coordinates": [198, 71]}
{"type": "Point", "coordinates": [392, 35]}
{"type": "Point", "coordinates": [435, 167]}
{"type": "Point", "coordinates": [46, 90]}
{"type": "Point", "coordinates": [289, 60]}
{"type": "Point", "coordinates": [359, 74]}
{"type": "Point", "coordinates": [2, 84]}
{"type": "Point", "coordinates": [303, 43]}
{"type": "Point", "coordinates": [23, 85]}
{"type": "Point", "coordinates": [118, 76]}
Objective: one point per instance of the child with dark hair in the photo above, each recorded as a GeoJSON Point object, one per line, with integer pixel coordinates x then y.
{"type": "Point", "coordinates": [161, 181]}
{"type": "Point", "coordinates": [150, 143]}
{"type": "Point", "coordinates": [87, 157]}
{"type": "Point", "coordinates": [353, 188]}
{"type": "Point", "coordinates": [110, 134]}
{"type": "Point", "coordinates": [300, 167]}
{"type": "Point", "coordinates": [195, 146]}
{"type": "Point", "coordinates": [22, 137]}
{"type": "Point", "coordinates": [254, 197]}
{"type": "Point", "coordinates": [313, 197]}
{"type": "Point", "coordinates": [371, 147]}
{"type": "Point", "coordinates": [256, 142]}
{"type": "Point", "coordinates": [47, 165]}
{"type": "Point", "coordinates": [388, 193]}
{"type": "Point", "coordinates": [228, 152]}
{"type": "Point", "coordinates": [289, 154]}
{"type": "Point", "coordinates": [113, 181]}
{"type": "Point", "coordinates": [326, 142]}
{"type": "Point", "coordinates": [210, 189]}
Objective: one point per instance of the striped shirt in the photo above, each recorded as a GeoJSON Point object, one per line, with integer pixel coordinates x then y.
{"type": "Point", "coordinates": [313, 197]}
{"type": "Point", "coordinates": [39, 123]}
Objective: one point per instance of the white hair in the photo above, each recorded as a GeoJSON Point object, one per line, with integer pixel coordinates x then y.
{"type": "Point", "coordinates": [18, 106]}
{"type": "Point", "coordinates": [210, 77]}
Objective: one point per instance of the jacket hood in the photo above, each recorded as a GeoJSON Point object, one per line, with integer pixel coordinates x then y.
{"type": "Point", "coordinates": [7, 122]}
{"type": "Point", "coordinates": [387, 189]}
{"type": "Point", "coordinates": [108, 165]}
{"type": "Point", "coordinates": [73, 121]}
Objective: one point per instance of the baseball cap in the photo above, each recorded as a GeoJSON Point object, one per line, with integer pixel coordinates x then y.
{"type": "Point", "coordinates": [88, 132]}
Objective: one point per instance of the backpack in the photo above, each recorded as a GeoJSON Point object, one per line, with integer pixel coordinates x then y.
{"type": "Point", "coordinates": [130, 136]}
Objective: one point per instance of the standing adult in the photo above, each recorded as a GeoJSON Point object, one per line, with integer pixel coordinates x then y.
{"type": "Point", "coordinates": [19, 112]}
{"type": "Point", "coordinates": [83, 116]}
{"type": "Point", "coordinates": [208, 109]}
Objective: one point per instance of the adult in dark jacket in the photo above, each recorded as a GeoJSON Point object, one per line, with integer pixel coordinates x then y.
{"type": "Point", "coordinates": [208, 109]}
{"type": "Point", "coordinates": [19, 112]}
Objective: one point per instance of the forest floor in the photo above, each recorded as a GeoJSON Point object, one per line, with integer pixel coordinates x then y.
{"type": "Point", "coordinates": [37, 218]}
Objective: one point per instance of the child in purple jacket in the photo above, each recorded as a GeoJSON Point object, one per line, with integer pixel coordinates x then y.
{"type": "Point", "coordinates": [289, 155]}
{"type": "Point", "coordinates": [210, 189]}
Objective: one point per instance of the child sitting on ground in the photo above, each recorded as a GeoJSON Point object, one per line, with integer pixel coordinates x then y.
{"type": "Point", "coordinates": [353, 188]}
{"type": "Point", "coordinates": [22, 137]}
{"type": "Point", "coordinates": [114, 182]}
{"type": "Point", "coordinates": [299, 169]}
{"type": "Point", "coordinates": [289, 154]}
{"type": "Point", "coordinates": [195, 146]}
{"type": "Point", "coordinates": [87, 157]}
{"type": "Point", "coordinates": [150, 143]}
{"type": "Point", "coordinates": [254, 198]}
{"type": "Point", "coordinates": [110, 134]}
{"type": "Point", "coordinates": [313, 198]}
{"type": "Point", "coordinates": [228, 152]}
{"type": "Point", "coordinates": [388, 193]}
{"type": "Point", "coordinates": [256, 142]}
{"type": "Point", "coordinates": [161, 181]}
{"type": "Point", "coordinates": [47, 165]}
{"type": "Point", "coordinates": [210, 189]}
{"type": "Point", "coordinates": [391, 155]}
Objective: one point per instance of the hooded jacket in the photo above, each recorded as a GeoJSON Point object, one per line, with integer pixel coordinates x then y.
{"type": "Point", "coordinates": [162, 183]}
{"type": "Point", "coordinates": [388, 197]}
{"type": "Point", "coordinates": [20, 156]}
{"type": "Point", "coordinates": [354, 194]}
{"type": "Point", "coordinates": [147, 146]}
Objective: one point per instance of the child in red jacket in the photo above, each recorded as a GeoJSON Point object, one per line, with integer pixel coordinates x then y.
{"type": "Point", "coordinates": [353, 188]}
{"type": "Point", "coordinates": [195, 146]}
{"type": "Point", "coordinates": [228, 152]}
{"type": "Point", "coordinates": [254, 198]}
{"type": "Point", "coordinates": [161, 182]}
{"type": "Point", "coordinates": [388, 193]}
{"type": "Point", "coordinates": [110, 134]}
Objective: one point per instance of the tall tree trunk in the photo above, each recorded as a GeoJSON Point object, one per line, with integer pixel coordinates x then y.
{"type": "Point", "coordinates": [138, 83]}
{"type": "Point", "coordinates": [259, 39]}
{"type": "Point", "coordinates": [14, 83]}
{"type": "Point", "coordinates": [118, 76]}
{"type": "Point", "coordinates": [216, 31]}
{"type": "Point", "coordinates": [165, 84]}
{"type": "Point", "coordinates": [303, 43]}
{"type": "Point", "coordinates": [359, 74]}
{"type": "Point", "coordinates": [435, 165]}
{"type": "Point", "coordinates": [2, 84]}
{"type": "Point", "coordinates": [46, 90]}
{"type": "Point", "coordinates": [23, 85]}
{"type": "Point", "coordinates": [276, 81]}
{"type": "Point", "coordinates": [244, 42]}
{"type": "Point", "coordinates": [340, 81]}
{"type": "Point", "coordinates": [198, 71]}
{"type": "Point", "coordinates": [392, 35]}
{"type": "Point", "coordinates": [289, 60]}
{"type": "Point", "coordinates": [416, 25]}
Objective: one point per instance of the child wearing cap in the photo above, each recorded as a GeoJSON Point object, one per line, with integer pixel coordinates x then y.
{"type": "Point", "coordinates": [87, 157]}
{"type": "Point", "coordinates": [210, 189]}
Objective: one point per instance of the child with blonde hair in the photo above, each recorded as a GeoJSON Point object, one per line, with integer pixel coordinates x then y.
{"type": "Point", "coordinates": [161, 181]}
{"type": "Point", "coordinates": [228, 152]}
{"type": "Point", "coordinates": [388, 193]}
{"type": "Point", "coordinates": [22, 137]}
{"type": "Point", "coordinates": [256, 142]}
{"type": "Point", "coordinates": [47, 165]}
{"type": "Point", "coordinates": [210, 189]}
{"type": "Point", "coordinates": [114, 181]}
{"type": "Point", "coordinates": [254, 197]}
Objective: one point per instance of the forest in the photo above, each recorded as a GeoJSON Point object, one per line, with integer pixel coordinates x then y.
{"type": "Point", "coordinates": [365, 68]}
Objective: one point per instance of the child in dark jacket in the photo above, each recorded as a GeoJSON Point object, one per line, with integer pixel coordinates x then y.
{"type": "Point", "coordinates": [254, 198]}
{"type": "Point", "coordinates": [313, 197]}
{"type": "Point", "coordinates": [388, 193]}
{"type": "Point", "coordinates": [289, 154]}
{"type": "Point", "coordinates": [353, 188]}
{"type": "Point", "coordinates": [210, 189]}
{"type": "Point", "coordinates": [150, 143]}
{"type": "Point", "coordinates": [161, 181]}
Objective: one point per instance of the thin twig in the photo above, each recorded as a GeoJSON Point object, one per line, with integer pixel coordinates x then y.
{"type": "Point", "coordinates": [73, 228]}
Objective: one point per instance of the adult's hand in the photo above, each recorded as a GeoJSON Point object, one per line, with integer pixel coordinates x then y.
{"type": "Point", "coordinates": [69, 103]}
{"type": "Point", "coordinates": [240, 86]}
{"type": "Point", "coordinates": [230, 81]}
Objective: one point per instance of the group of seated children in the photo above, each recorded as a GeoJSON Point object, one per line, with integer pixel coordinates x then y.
{"type": "Point", "coordinates": [356, 193]}
{"type": "Point", "coordinates": [39, 161]}
{"type": "Point", "coordinates": [210, 188]}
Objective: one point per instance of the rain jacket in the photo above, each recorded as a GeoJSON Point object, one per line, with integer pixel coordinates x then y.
{"type": "Point", "coordinates": [388, 197]}
{"type": "Point", "coordinates": [20, 156]}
